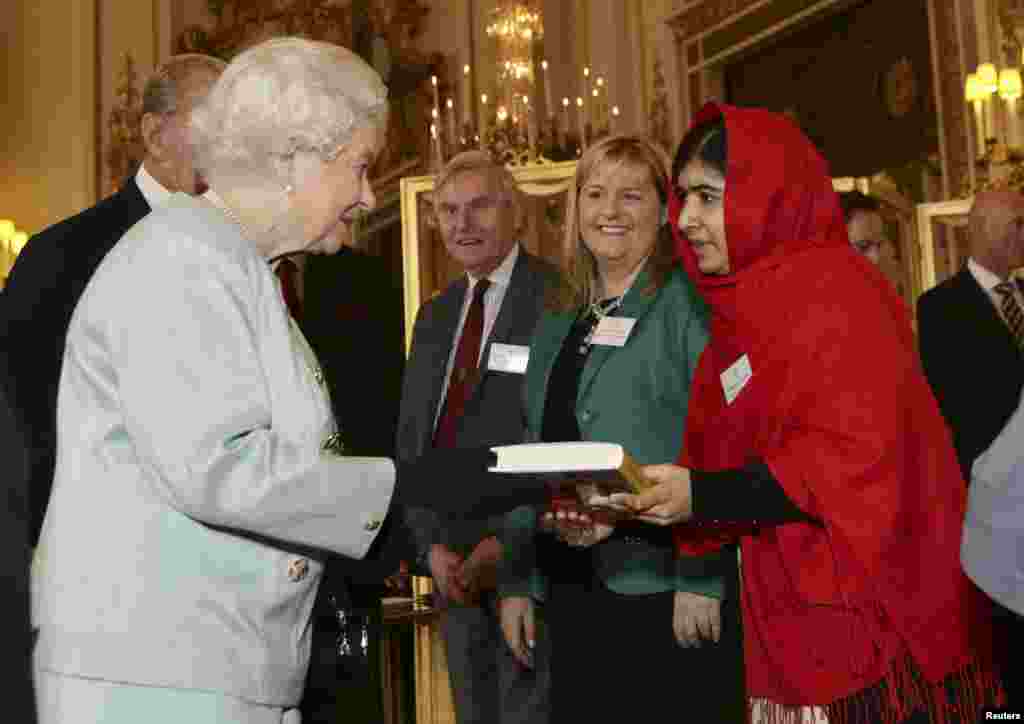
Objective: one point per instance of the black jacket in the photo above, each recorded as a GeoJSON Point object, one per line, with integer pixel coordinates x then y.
{"type": "Point", "coordinates": [972, 363]}
{"type": "Point", "coordinates": [36, 306]}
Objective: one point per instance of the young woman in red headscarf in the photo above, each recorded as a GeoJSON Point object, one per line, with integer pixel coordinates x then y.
{"type": "Point", "coordinates": [812, 428]}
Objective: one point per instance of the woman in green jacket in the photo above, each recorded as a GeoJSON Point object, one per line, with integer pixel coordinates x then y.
{"type": "Point", "coordinates": [619, 605]}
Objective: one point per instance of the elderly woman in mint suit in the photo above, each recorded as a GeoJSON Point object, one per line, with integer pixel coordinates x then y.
{"type": "Point", "coordinates": [200, 472]}
{"type": "Point", "coordinates": [620, 608]}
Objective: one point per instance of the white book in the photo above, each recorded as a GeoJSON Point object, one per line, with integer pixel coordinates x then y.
{"type": "Point", "coordinates": [604, 463]}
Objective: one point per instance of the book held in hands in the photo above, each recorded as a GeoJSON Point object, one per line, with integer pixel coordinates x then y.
{"type": "Point", "coordinates": [606, 465]}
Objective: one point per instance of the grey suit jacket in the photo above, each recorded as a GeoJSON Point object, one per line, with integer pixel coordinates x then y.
{"type": "Point", "coordinates": [493, 415]}
{"type": "Point", "coordinates": [193, 481]}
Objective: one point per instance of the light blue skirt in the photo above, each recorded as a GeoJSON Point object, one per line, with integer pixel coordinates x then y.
{"type": "Point", "coordinates": [74, 700]}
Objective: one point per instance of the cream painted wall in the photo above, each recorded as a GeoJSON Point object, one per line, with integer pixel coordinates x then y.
{"type": "Point", "coordinates": [48, 127]}
{"type": "Point", "coordinates": [134, 27]}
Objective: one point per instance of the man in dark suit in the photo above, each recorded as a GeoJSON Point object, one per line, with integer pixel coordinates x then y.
{"type": "Point", "coordinates": [349, 307]}
{"type": "Point", "coordinates": [14, 566]}
{"type": "Point", "coordinates": [973, 356]}
{"type": "Point", "coordinates": [53, 269]}
{"type": "Point", "coordinates": [970, 357]}
{"type": "Point", "coordinates": [462, 388]}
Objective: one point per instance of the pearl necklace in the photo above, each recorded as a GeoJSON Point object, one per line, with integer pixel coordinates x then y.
{"type": "Point", "coordinates": [218, 203]}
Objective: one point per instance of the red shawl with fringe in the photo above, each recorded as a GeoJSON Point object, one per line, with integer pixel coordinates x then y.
{"type": "Point", "coordinates": [839, 410]}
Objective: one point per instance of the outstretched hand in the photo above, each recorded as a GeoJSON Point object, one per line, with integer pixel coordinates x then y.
{"type": "Point", "coordinates": [667, 503]}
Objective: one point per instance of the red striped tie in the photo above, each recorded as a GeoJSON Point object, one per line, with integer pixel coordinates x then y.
{"type": "Point", "coordinates": [464, 369]}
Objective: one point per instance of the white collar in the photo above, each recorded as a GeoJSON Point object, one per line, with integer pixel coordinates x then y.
{"type": "Point", "coordinates": [986, 278]}
{"type": "Point", "coordinates": [502, 275]}
{"type": "Point", "coordinates": [152, 190]}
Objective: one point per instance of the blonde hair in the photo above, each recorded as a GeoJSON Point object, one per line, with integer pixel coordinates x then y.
{"type": "Point", "coordinates": [580, 283]}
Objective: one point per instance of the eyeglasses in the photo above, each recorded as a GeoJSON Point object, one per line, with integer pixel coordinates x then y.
{"type": "Point", "coordinates": [448, 213]}
{"type": "Point", "coordinates": [866, 245]}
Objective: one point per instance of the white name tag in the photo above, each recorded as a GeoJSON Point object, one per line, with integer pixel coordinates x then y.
{"type": "Point", "coordinates": [613, 331]}
{"type": "Point", "coordinates": [735, 378]}
{"type": "Point", "coordinates": [508, 358]}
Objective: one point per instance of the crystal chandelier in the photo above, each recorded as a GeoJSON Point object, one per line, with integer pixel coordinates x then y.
{"type": "Point", "coordinates": [508, 122]}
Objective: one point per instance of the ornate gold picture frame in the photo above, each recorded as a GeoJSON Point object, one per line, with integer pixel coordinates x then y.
{"type": "Point", "coordinates": [942, 239]}
{"type": "Point", "coordinates": [425, 265]}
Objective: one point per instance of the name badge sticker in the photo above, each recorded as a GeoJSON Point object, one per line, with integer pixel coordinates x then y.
{"type": "Point", "coordinates": [508, 358]}
{"type": "Point", "coordinates": [613, 331]}
{"type": "Point", "coordinates": [735, 378]}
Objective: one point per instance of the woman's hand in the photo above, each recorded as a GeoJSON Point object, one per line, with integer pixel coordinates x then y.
{"type": "Point", "coordinates": [517, 624]}
{"type": "Point", "coordinates": [668, 502]}
{"type": "Point", "coordinates": [575, 527]}
{"type": "Point", "coordinates": [696, 619]}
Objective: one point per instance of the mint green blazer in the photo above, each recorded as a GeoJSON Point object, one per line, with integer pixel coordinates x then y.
{"type": "Point", "coordinates": [635, 395]}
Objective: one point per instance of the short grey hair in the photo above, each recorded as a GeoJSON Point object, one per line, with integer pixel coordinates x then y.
{"type": "Point", "coordinates": [281, 98]}
{"type": "Point", "coordinates": [163, 88]}
{"type": "Point", "coordinates": [483, 162]}
{"type": "Point", "coordinates": [473, 161]}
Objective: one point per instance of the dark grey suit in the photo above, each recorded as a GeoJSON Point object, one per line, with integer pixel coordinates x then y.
{"type": "Point", "coordinates": [41, 293]}
{"type": "Point", "coordinates": [488, 685]}
{"type": "Point", "coordinates": [971, 361]}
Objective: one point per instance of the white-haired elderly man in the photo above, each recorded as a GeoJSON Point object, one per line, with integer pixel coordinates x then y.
{"type": "Point", "coordinates": [199, 471]}
{"type": "Point", "coordinates": [463, 388]}
{"type": "Point", "coordinates": [56, 264]}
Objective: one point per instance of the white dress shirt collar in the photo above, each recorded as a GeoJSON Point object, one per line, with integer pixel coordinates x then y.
{"type": "Point", "coordinates": [502, 275]}
{"type": "Point", "coordinates": [152, 191]}
{"type": "Point", "coordinates": [986, 278]}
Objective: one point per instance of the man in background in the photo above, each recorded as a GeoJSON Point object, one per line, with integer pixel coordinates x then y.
{"type": "Point", "coordinates": [455, 394]}
{"type": "Point", "coordinates": [971, 337]}
{"type": "Point", "coordinates": [971, 346]}
{"type": "Point", "coordinates": [864, 224]}
{"type": "Point", "coordinates": [53, 269]}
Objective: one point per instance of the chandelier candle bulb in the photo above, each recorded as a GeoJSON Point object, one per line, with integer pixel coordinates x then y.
{"type": "Point", "coordinates": [585, 104]}
{"type": "Point", "coordinates": [582, 122]}
{"type": "Point", "coordinates": [974, 95]}
{"type": "Point", "coordinates": [548, 105]}
{"type": "Point", "coordinates": [564, 127]}
{"type": "Point", "coordinates": [613, 123]}
{"type": "Point", "coordinates": [450, 105]}
{"type": "Point", "coordinates": [467, 96]}
{"type": "Point", "coordinates": [436, 138]}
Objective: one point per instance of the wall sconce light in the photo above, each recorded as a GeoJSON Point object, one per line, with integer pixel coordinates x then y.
{"type": "Point", "coordinates": [12, 242]}
{"type": "Point", "coordinates": [975, 95]}
{"type": "Point", "coordinates": [1010, 91]}
{"type": "Point", "coordinates": [989, 78]}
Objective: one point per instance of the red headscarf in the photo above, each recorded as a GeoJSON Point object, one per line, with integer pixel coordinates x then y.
{"type": "Point", "coordinates": [839, 410]}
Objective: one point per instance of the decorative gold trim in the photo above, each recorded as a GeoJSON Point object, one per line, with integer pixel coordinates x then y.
{"type": "Point", "coordinates": [533, 180]}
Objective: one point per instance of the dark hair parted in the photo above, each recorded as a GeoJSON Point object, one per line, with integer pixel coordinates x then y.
{"type": "Point", "coordinates": [854, 201]}
{"type": "Point", "coordinates": [706, 143]}
{"type": "Point", "coordinates": [579, 285]}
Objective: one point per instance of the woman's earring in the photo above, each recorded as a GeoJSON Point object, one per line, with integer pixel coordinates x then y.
{"type": "Point", "coordinates": [664, 215]}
